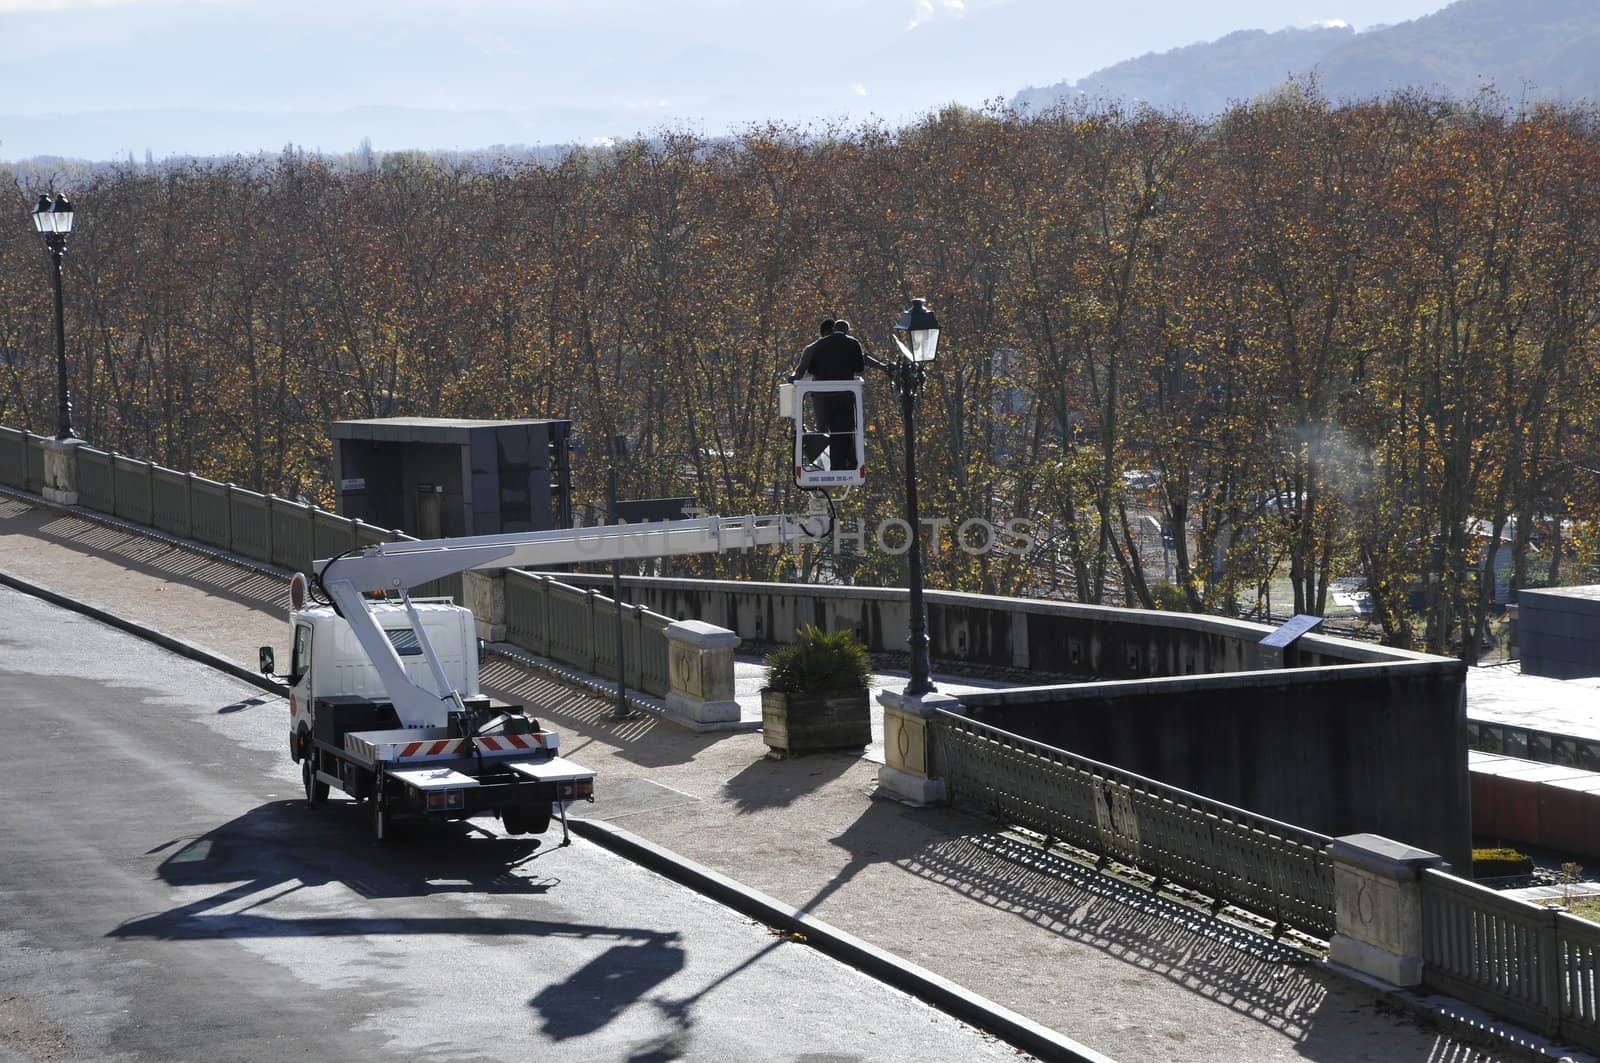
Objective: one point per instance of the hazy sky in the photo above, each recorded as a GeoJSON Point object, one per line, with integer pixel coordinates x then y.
{"type": "Point", "coordinates": [103, 78]}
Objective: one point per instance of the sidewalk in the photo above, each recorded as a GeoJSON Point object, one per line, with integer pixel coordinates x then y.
{"type": "Point", "coordinates": [1135, 975]}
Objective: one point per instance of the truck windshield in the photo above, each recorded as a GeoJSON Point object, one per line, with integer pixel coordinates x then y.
{"type": "Point", "coordinates": [405, 641]}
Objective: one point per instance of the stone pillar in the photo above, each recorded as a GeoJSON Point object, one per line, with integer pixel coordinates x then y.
{"type": "Point", "coordinates": [61, 471]}
{"type": "Point", "coordinates": [485, 594]}
{"type": "Point", "coordinates": [906, 761]}
{"type": "Point", "coordinates": [700, 663]}
{"type": "Point", "coordinates": [1378, 906]}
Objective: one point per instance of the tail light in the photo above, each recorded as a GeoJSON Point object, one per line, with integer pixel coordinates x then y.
{"type": "Point", "coordinates": [578, 788]}
{"type": "Point", "coordinates": [446, 800]}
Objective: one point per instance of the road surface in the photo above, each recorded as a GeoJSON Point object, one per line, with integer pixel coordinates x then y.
{"type": "Point", "coordinates": [166, 895]}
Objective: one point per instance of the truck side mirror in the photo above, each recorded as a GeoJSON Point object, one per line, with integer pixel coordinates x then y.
{"type": "Point", "coordinates": [483, 650]}
{"type": "Point", "coordinates": [269, 664]}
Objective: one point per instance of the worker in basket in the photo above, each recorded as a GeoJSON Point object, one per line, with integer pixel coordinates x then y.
{"type": "Point", "coordinates": [834, 355]}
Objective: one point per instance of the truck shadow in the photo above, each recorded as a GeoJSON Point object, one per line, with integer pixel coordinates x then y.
{"type": "Point", "coordinates": [283, 847]}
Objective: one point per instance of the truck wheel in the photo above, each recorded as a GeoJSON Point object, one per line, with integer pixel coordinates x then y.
{"type": "Point", "coordinates": [316, 789]}
{"type": "Point", "coordinates": [525, 820]}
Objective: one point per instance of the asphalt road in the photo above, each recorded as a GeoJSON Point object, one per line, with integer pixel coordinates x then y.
{"type": "Point", "coordinates": [166, 895]}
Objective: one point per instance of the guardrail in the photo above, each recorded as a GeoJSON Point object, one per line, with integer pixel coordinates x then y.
{"type": "Point", "coordinates": [1233, 856]}
{"type": "Point", "coordinates": [578, 627]}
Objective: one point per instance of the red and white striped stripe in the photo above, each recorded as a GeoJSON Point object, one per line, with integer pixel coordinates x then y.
{"type": "Point", "coordinates": [516, 743]}
{"type": "Point", "coordinates": [433, 749]}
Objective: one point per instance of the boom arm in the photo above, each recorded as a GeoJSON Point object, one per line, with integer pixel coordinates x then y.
{"type": "Point", "coordinates": [397, 567]}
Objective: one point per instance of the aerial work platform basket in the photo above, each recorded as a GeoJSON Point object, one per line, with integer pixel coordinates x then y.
{"type": "Point", "coordinates": [829, 433]}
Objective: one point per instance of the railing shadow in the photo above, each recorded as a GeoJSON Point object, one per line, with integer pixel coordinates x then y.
{"type": "Point", "coordinates": [153, 557]}
{"type": "Point", "coordinates": [1242, 969]}
{"type": "Point", "coordinates": [1245, 969]}
{"type": "Point", "coordinates": [641, 738]}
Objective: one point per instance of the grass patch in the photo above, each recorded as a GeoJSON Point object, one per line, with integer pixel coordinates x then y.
{"type": "Point", "coordinates": [1584, 908]}
{"type": "Point", "coordinates": [1498, 863]}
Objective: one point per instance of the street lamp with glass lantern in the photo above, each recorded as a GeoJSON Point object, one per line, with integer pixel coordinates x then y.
{"type": "Point", "coordinates": [54, 220]}
{"type": "Point", "coordinates": [917, 336]}
{"type": "Point", "coordinates": [907, 715]}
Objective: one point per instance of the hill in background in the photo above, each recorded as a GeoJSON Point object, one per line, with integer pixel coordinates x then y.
{"type": "Point", "coordinates": [1544, 49]}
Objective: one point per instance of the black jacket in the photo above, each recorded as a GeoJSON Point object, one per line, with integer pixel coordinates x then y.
{"type": "Point", "coordinates": [836, 356]}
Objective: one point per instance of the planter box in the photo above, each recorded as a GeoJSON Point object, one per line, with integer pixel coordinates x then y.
{"type": "Point", "coordinates": [798, 723]}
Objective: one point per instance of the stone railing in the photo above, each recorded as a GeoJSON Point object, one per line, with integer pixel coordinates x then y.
{"type": "Point", "coordinates": [1538, 967]}
{"type": "Point", "coordinates": [988, 631]}
{"type": "Point", "coordinates": [578, 627]}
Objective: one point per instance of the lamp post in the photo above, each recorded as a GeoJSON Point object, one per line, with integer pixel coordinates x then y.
{"type": "Point", "coordinates": [54, 220]}
{"type": "Point", "coordinates": [908, 761]}
{"type": "Point", "coordinates": [917, 336]}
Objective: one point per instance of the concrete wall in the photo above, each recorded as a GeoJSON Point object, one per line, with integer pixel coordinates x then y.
{"type": "Point", "coordinates": [1558, 631]}
{"type": "Point", "coordinates": [1339, 749]}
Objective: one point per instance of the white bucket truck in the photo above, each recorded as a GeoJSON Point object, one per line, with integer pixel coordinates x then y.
{"type": "Point", "coordinates": [383, 688]}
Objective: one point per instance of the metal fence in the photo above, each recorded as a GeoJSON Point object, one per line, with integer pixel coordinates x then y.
{"type": "Point", "coordinates": [579, 628]}
{"type": "Point", "coordinates": [1231, 855]}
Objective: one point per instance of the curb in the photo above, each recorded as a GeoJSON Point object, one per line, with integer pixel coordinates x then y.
{"type": "Point", "coordinates": [943, 994]}
{"type": "Point", "coordinates": [181, 647]}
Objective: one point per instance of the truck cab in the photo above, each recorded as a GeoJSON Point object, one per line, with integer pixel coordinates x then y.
{"type": "Point", "coordinates": [326, 661]}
